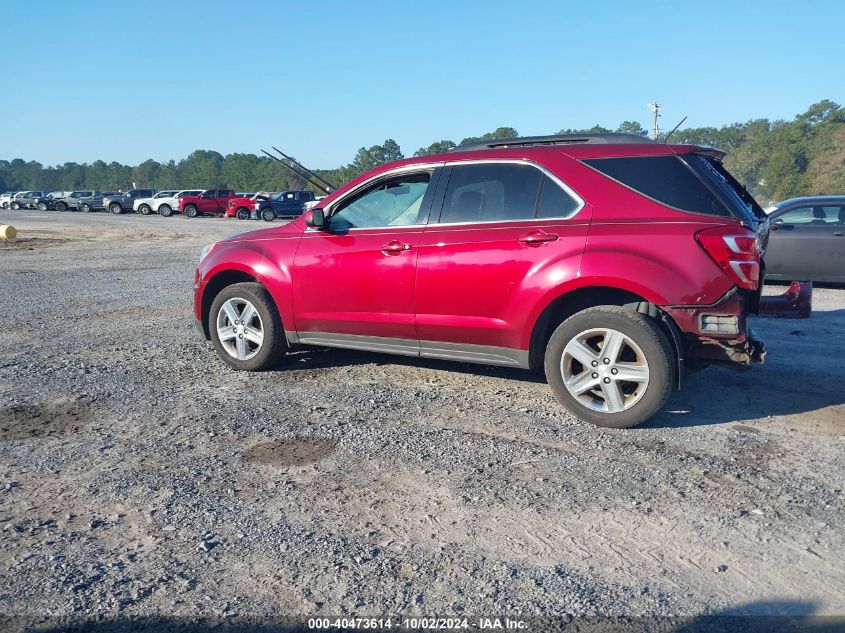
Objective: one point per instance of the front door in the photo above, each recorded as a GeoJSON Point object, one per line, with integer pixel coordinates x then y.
{"type": "Point", "coordinates": [353, 282]}
{"type": "Point", "coordinates": [806, 247]}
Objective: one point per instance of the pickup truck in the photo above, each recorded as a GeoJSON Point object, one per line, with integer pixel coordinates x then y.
{"type": "Point", "coordinates": [285, 204]}
{"type": "Point", "coordinates": [243, 207]}
{"type": "Point", "coordinates": [123, 201]}
{"type": "Point", "coordinates": [209, 202]}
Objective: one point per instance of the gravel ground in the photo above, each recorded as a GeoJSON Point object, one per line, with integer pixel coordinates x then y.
{"type": "Point", "coordinates": [141, 477]}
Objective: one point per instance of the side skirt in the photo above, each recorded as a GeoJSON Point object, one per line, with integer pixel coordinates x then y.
{"type": "Point", "coordinates": [481, 354]}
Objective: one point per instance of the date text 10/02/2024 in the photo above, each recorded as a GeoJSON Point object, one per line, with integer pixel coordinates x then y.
{"type": "Point", "coordinates": [443, 624]}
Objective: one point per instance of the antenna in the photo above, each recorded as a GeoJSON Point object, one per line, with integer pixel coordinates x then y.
{"type": "Point", "coordinates": [666, 140]}
{"type": "Point", "coordinates": [655, 128]}
{"type": "Point", "coordinates": [299, 173]}
{"type": "Point", "coordinates": [328, 186]}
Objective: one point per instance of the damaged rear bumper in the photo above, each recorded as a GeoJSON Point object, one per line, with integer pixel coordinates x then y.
{"type": "Point", "coordinates": [719, 333]}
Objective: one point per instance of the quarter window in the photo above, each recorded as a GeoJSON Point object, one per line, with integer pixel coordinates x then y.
{"type": "Point", "coordinates": [393, 202]}
{"type": "Point", "coordinates": [666, 179]}
{"type": "Point", "coordinates": [813, 215]}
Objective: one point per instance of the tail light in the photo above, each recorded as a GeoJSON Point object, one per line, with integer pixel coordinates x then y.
{"type": "Point", "coordinates": [231, 203]}
{"type": "Point", "coordinates": [737, 252]}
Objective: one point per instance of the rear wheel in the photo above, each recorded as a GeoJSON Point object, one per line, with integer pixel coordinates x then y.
{"type": "Point", "coordinates": [245, 327]}
{"type": "Point", "coordinates": [268, 215]}
{"type": "Point", "coordinates": [242, 213]}
{"type": "Point", "coordinates": [610, 366]}
{"type": "Point", "coordinates": [191, 211]}
{"type": "Point", "coordinates": [42, 206]}
{"type": "Point", "coordinates": [144, 209]}
{"type": "Point", "coordinates": [166, 210]}
{"type": "Point", "coordinates": [115, 208]}
{"type": "Point", "coordinates": [85, 208]}
{"type": "Point", "coordinates": [16, 206]}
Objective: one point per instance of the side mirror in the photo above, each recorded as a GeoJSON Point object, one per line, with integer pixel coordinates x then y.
{"type": "Point", "coordinates": [317, 219]}
{"type": "Point", "coordinates": [776, 224]}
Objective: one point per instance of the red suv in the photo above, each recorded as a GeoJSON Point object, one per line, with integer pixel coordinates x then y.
{"type": "Point", "coordinates": [210, 201]}
{"type": "Point", "coordinates": [614, 263]}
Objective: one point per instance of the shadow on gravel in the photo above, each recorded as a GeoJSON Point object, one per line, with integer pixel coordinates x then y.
{"type": "Point", "coordinates": [51, 419]}
{"type": "Point", "coordinates": [760, 617]}
{"type": "Point", "coordinates": [799, 376]}
{"type": "Point", "coordinates": [325, 358]}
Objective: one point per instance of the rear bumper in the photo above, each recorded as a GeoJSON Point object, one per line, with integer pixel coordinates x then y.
{"type": "Point", "coordinates": [719, 333]}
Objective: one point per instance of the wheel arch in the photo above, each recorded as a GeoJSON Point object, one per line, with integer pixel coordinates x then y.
{"type": "Point", "coordinates": [568, 303]}
{"type": "Point", "coordinates": [215, 284]}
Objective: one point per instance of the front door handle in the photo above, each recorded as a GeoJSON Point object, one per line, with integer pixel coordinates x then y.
{"type": "Point", "coordinates": [839, 234]}
{"type": "Point", "coordinates": [395, 247]}
{"type": "Point", "coordinates": [537, 238]}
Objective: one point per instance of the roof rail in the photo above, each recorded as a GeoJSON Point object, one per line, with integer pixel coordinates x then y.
{"type": "Point", "coordinates": [554, 139]}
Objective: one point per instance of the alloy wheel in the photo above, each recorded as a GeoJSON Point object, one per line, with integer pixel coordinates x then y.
{"type": "Point", "coordinates": [605, 370]}
{"type": "Point", "coordinates": [240, 329]}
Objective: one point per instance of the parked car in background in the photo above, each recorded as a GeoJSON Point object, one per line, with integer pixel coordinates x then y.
{"type": "Point", "coordinates": [70, 200]}
{"type": "Point", "coordinates": [122, 202]}
{"type": "Point", "coordinates": [168, 205]}
{"type": "Point", "coordinates": [243, 207]}
{"type": "Point", "coordinates": [25, 199]}
{"type": "Point", "coordinates": [144, 206]}
{"type": "Point", "coordinates": [612, 262]}
{"type": "Point", "coordinates": [285, 204]}
{"type": "Point", "coordinates": [6, 198]}
{"type": "Point", "coordinates": [96, 202]}
{"type": "Point", "coordinates": [807, 241]}
{"type": "Point", "coordinates": [209, 202]}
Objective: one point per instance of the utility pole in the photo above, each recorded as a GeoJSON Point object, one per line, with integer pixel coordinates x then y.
{"type": "Point", "coordinates": [655, 128]}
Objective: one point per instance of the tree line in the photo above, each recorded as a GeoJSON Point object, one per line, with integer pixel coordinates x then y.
{"type": "Point", "coordinates": [775, 159]}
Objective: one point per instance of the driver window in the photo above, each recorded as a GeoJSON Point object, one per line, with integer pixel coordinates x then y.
{"type": "Point", "coordinates": [393, 202]}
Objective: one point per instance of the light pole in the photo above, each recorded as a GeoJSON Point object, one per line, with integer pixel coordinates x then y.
{"type": "Point", "coordinates": [655, 128]}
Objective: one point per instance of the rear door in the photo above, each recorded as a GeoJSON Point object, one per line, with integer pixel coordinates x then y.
{"type": "Point", "coordinates": [506, 233]}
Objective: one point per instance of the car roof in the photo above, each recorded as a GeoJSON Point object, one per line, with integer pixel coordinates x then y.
{"type": "Point", "coordinates": [810, 200]}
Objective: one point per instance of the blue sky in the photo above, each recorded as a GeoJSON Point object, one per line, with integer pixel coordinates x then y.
{"type": "Point", "coordinates": [128, 81]}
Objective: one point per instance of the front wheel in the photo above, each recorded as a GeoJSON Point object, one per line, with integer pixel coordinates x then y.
{"type": "Point", "coordinates": [85, 208]}
{"type": "Point", "coordinates": [16, 206]}
{"type": "Point", "coordinates": [165, 210]}
{"type": "Point", "coordinates": [61, 206]}
{"type": "Point", "coordinates": [115, 208]}
{"type": "Point", "coordinates": [268, 215]}
{"type": "Point", "coordinates": [41, 206]}
{"type": "Point", "coordinates": [242, 213]}
{"type": "Point", "coordinates": [144, 209]}
{"type": "Point", "coordinates": [191, 211]}
{"type": "Point", "coordinates": [610, 366]}
{"type": "Point", "coordinates": [245, 327]}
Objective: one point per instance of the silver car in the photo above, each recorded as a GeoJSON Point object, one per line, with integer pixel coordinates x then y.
{"type": "Point", "coordinates": [144, 206]}
{"type": "Point", "coordinates": [807, 240]}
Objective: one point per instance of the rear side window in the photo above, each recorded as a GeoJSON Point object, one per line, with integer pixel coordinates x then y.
{"type": "Point", "coordinates": [491, 192]}
{"type": "Point", "coordinates": [666, 179]}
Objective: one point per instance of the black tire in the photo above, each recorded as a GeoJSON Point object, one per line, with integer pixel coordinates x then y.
{"type": "Point", "coordinates": [191, 211]}
{"type": "Point", "coordinates": [268, 215]}
{"type": "Point", "coordinates": [61, 206]}
{"type": "Point", "coordinates": [275, 343]}
{"type": "Point", "coordinates": [85, 208]}
{"type": "Point", "coordinates": [115, 208]}
{"type": "Point", "coordinates": [144, 209]}
{"type": "Point", "coordinates": [16, 206]}
{"type": "Point", "coordinates": [242, 213]}
{"type": "Point", "coordinates": [165, 210]}
{"type": "Point", "coordinates": [645, 333]}
{"type": "Point", "coordinates": [41, 206]}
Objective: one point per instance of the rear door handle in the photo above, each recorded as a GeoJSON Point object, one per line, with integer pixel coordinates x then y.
{"type": "Point", "coordinates": [537, 238]}
{"type": "Point", "coordinates": [395, 247]}
{"type": "Point", "coordinates": [839, 234]}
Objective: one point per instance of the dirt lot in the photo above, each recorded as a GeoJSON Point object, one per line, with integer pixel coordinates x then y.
{"type": "Point", "coordinates": [139, 476]}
